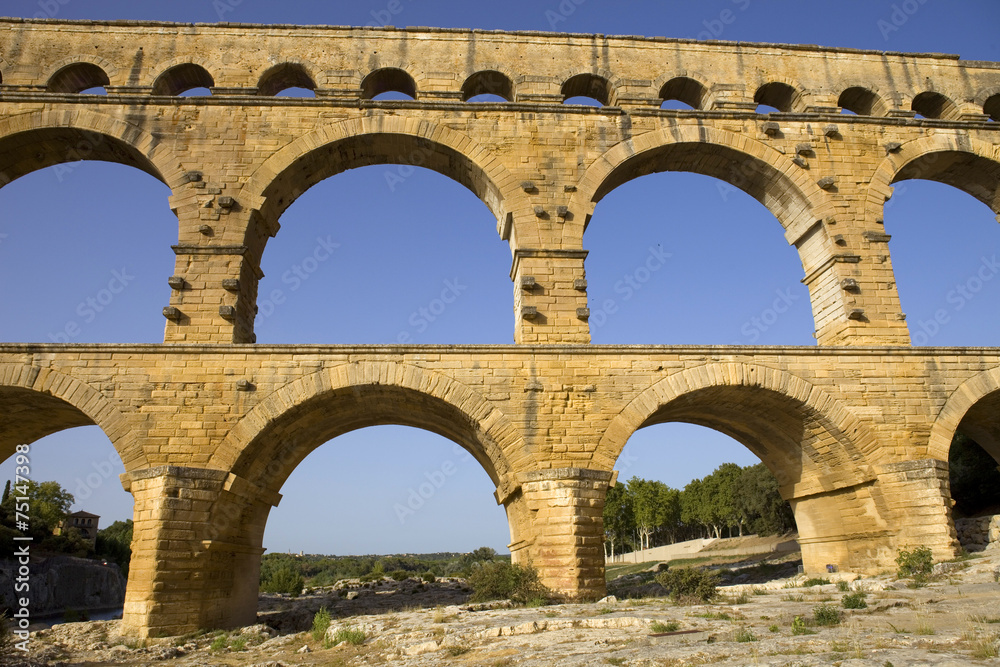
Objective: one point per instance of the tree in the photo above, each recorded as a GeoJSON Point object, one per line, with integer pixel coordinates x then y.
{"type": "Point", "coordinates": [656, 508]}
{"type": "Point", "coordinates": [481, 555]}
{"type": "Point", "coordinates": [284, 580]}
{"type": "Point", "coordinates": [724, 485]}
{"type": "Point", "coordinates": [759, 501]}
{"type": "Point", "coordinates": [6, 492]}
{"type": "Point", "coordinates": [619, 519]}
{"type": "Point", "coordinates": [115, 544]}
{"type": "Point", "coordinates": [47, 505]}
{"type": "Point", "coordinates": [670, 503]}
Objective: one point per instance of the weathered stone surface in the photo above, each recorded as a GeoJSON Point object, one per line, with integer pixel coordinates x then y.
{"type": "Point", "coordinates": [209, 426]}
{"type": "Point", "coordinates": [945, 623]}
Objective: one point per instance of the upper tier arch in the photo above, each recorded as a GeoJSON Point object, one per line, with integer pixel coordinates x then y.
{"type": "Point", "coordinates": [762, 172]}
{"type": "Point", "coordinates": [57, 138]}
{"type": "Point", "coordinates": [962, 162]}
{"type": "Point", "coordinates": [280, 180]}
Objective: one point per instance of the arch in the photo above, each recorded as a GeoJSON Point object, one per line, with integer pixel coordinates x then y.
{"type": "Point", "coordinates": [930, 104]}
{"type": "Point", "coordinates": [757, 169]}
{"type": "Point", "coordinates": [862, 101]}
{"type": "Point", "coordinates": [589, 85]}
{"type": "Point", "coordinates": [77, 77]}
{"type": "Point", "coordinates": [56, 138]}
{"type": "Point", "coordinates": [26, 391]}
{"type": "Point", "coordinates": [388, 79]}
{"type": "Point", "coordinates": [968, 164]}
{"type": "Point", "coordinates": [379, 140]}
{"type": "Point", "coordinates": [283, 76]}
{"type": "Point", "coordinates": [305, 413]}
{"type": "Point", "coordinates": [780, 95]}
{"type": "Point", "coordinates": [181, 78]}
{"type": "Point", "coordinates": [488, 82]}
{"type": "Point", "coordinates": [991, 107]}
{"type": "Point", "coordinates": [806, 437]}
{"type": "Point", "coordinates": [684, 89]}
{"type": "Point", "coordinates": [973, 407]}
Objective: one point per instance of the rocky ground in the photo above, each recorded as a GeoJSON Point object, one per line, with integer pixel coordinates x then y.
{"type": "Point", "coordinates": [954, 619]}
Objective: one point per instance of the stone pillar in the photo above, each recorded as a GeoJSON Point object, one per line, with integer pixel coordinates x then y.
{"type": "Point", "coordinates": [860, 528]}
{"type": "Point", "coordinates": [556, 519]}
{"type": "Point", "coordinates": [550, 297]}
{"type": "Point", "coordinates": [848, 528]}
{"type": "Point", "coordinates": [919, 494]}
{"type": "Point", "coordinates": [195, 551]}
{"type": "Point", "coordinates": [851, 288]}
{"type": "Point", "coordinates": [205, 297]}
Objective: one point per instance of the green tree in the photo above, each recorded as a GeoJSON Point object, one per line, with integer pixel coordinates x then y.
{"type": "Point", "coordinates": [115, 544]}
{"type": "Point", "coordinates": [46, 505]}
{"type": "Point", "coordinates": [670, 509]}
{"type": "Point", "coordinates": [284, 577]}
{"type": "Point", "coordinates": [619, 518]}
{"type": "Point", "coordinates": [760, 503]}
{"type": "Point", "coordinates": [656, 508]}
{"type": "Point", "coordinates": [6, 492]}
{"type": "Point", "coordinates": [724, 482]}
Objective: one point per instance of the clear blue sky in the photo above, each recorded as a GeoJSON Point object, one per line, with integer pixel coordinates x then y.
{"type": "Point", "coordinates": [729, 256]}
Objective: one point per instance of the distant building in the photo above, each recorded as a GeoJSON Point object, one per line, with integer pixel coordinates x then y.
{"type": "Point", "coordinates": [84, 522]}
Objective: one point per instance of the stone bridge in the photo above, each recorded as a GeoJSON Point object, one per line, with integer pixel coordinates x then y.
{"type": "Point", "coordinates": [209, 425]}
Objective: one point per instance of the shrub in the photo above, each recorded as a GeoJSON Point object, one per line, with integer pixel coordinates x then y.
{"type": "Point", "coordinates": [917, 563]}
{"type": "Point", "coordinates": [428, 577]}
{"type": "Point", "coordinates": [854, 601]}
{"type": "Point", "coordinates": [826, 614]}
{"type": "Point", "coordinates": [284, 580]}
{"type": "Point", "coordinates": [321, 623]}
{"type": "Point", "coordinates": [686, 584]}
{"type": "Point", "coordinates": [799, 627]}
{"type": "Point", "coordinates": [744, 635]}
{"type": "Point", "coordinates": [349, 635]}
{"type": "Point", "coordinates": [220, 643]}
{"type": "Point", "coordinates": [657, 627]}
{"type": "Point", "coordinates": [239, 644]}
{"type": "Point", "coordinates": [399, 575]}
{"type": "Point", "coordinates": [500, 580]}
{"type": "Point", "coordinates": [815, 581]}
{"type": "Point", "coordinates": [843, 586]}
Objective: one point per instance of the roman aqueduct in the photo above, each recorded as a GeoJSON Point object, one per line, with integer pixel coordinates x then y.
{"type": "Point", "coordinates": [209, 424]}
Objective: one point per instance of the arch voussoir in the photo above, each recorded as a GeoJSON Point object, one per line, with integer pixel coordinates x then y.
{"type": "Point", "coordinates": [497, 439]}
{"type": "Point", "coordinates": [958, 404]}
{"type": "Point", "coordinates": [85, 399]}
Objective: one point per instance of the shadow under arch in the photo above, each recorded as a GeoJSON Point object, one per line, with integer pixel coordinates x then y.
{"type": "Point", "coordinates": [968, 164]}
{"type": "Point", "coordinates": [974, 409]}
{"type": "Point", "coordinates": [760, 171]}
{"type": "Point", "coordinates": [36, 402]}
{"type": "Point", "coordinates": [308, 412]}
{"type": "Point", "coordinates": [41, 139]}
{"type": "Point", "coordinates": [375, 140]}
{"type": "Point", "coordinates": [822, 456]}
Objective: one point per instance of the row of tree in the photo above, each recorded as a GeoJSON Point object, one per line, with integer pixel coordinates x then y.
{"type": "Point", "coordinates": [645, 513]}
